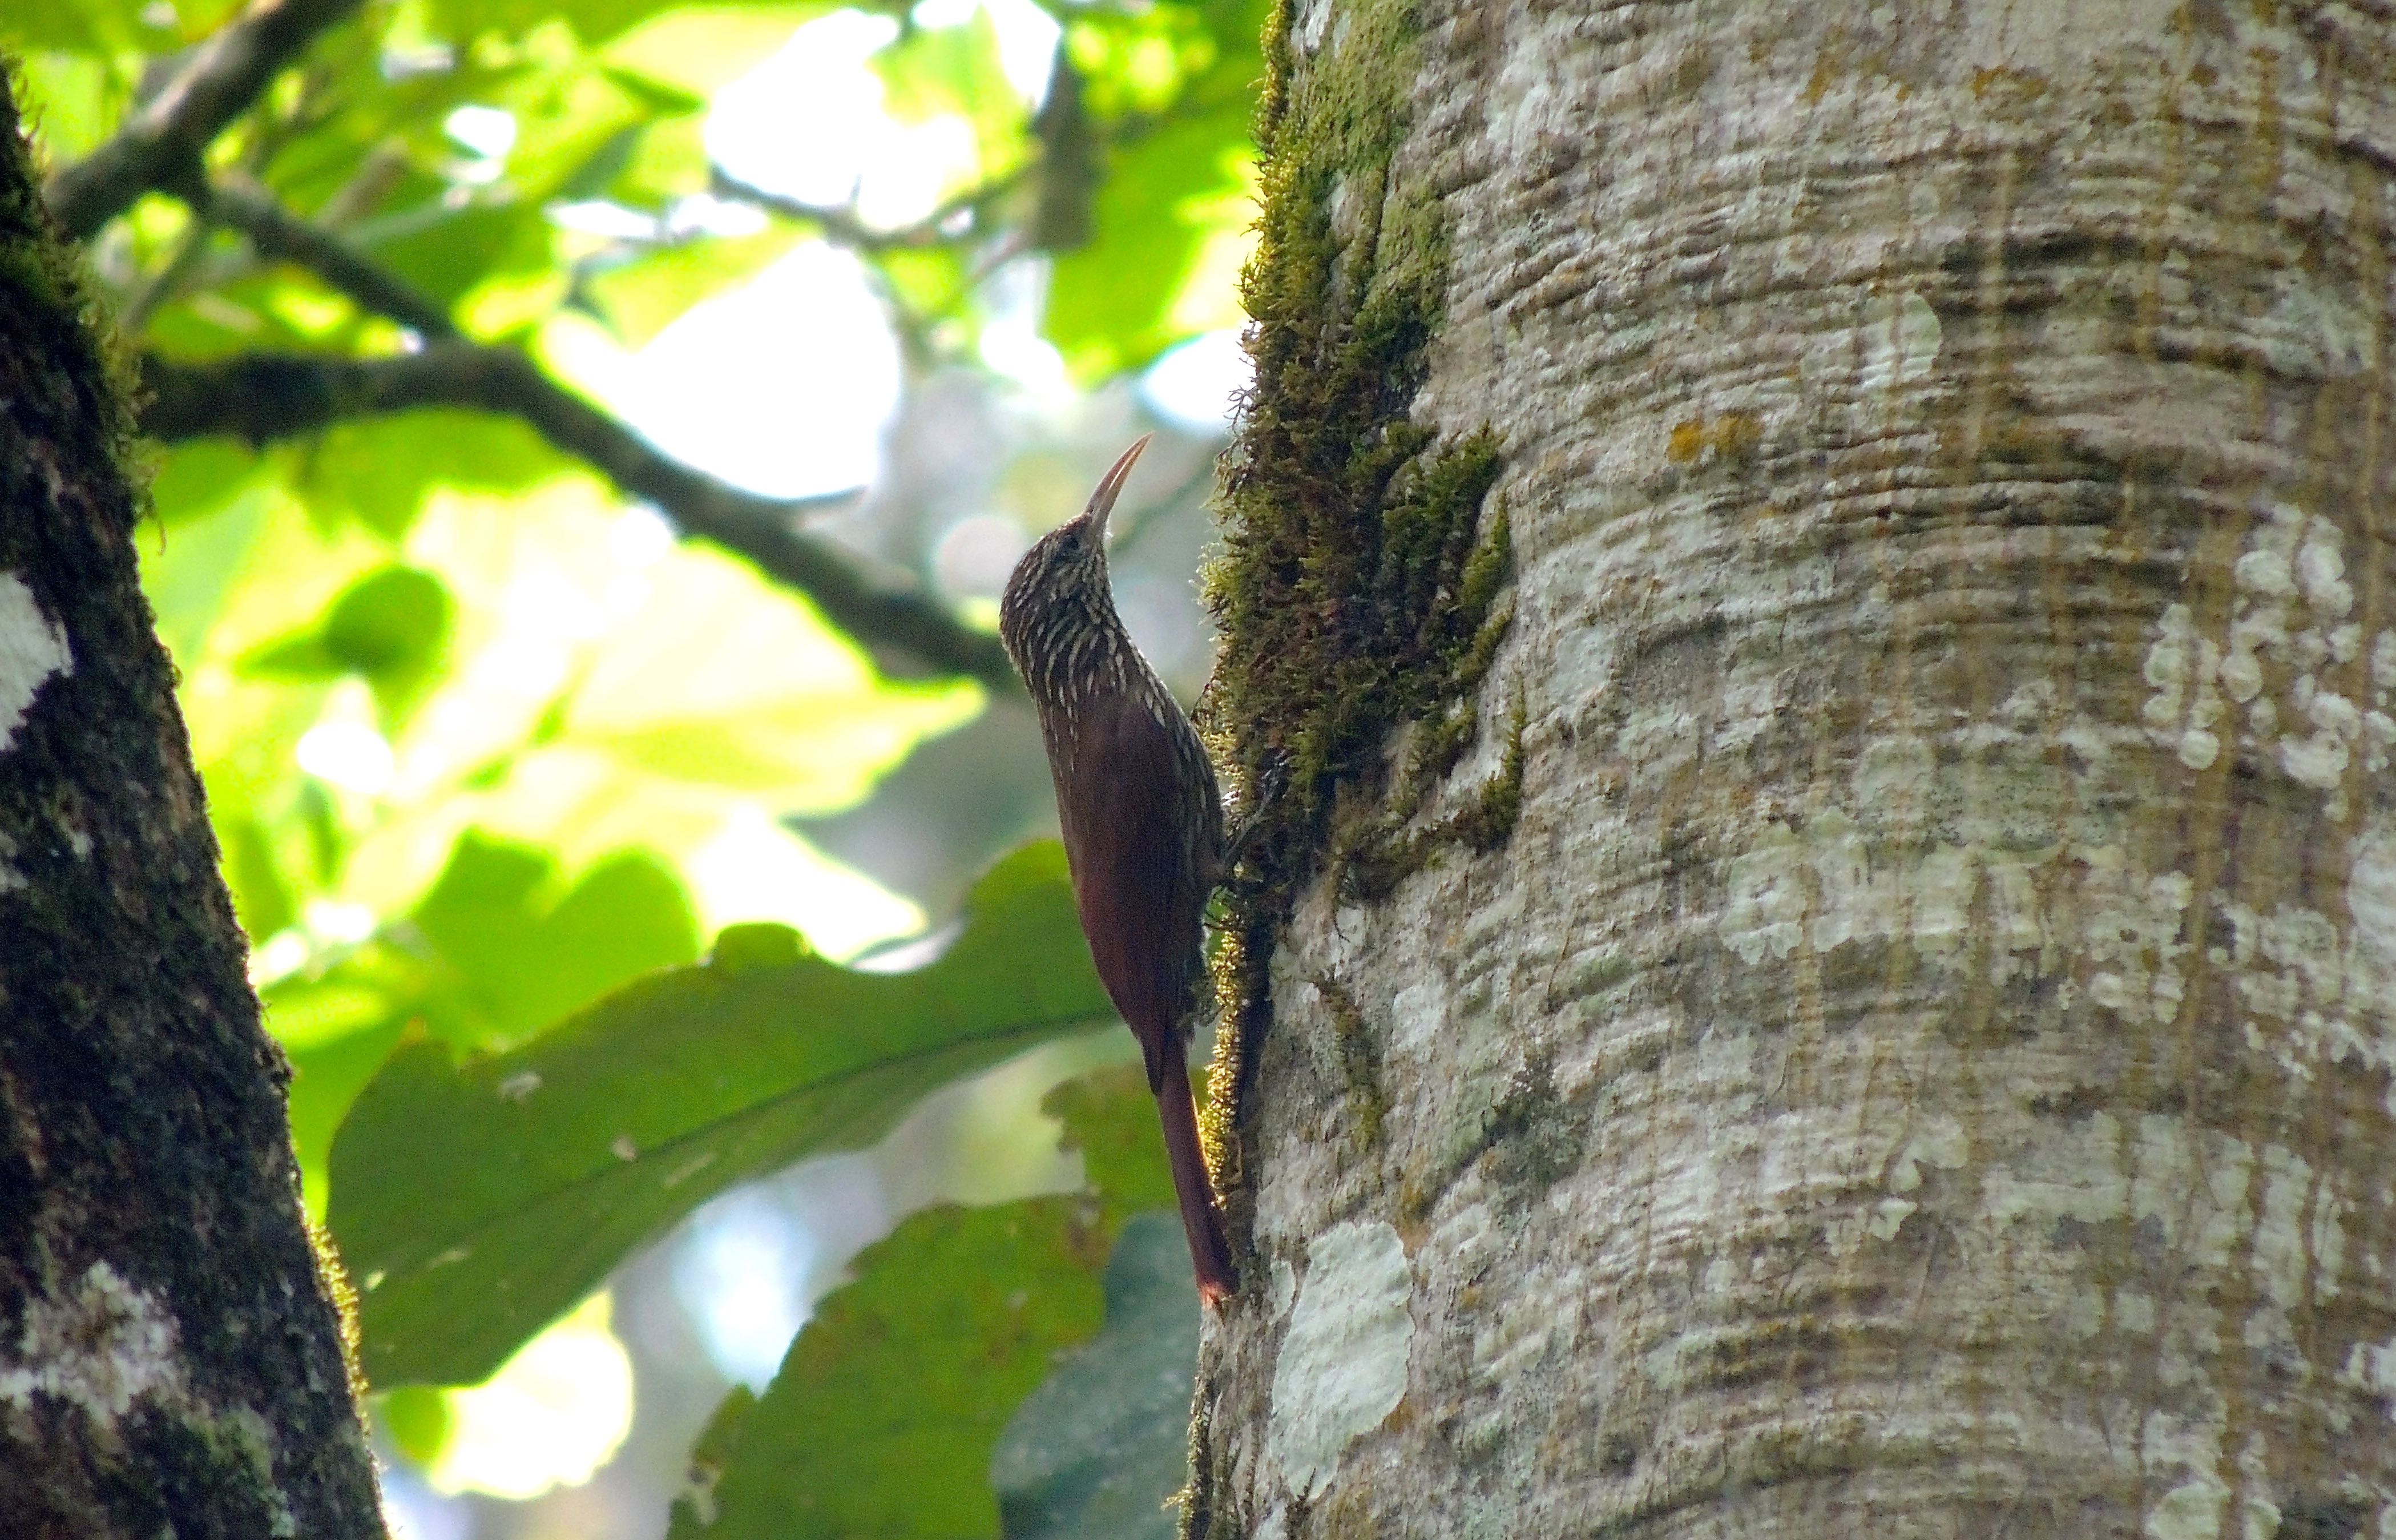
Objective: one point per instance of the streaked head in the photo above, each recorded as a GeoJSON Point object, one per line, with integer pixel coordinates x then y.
{"type": "Point", "coordinates": [1061, 582]}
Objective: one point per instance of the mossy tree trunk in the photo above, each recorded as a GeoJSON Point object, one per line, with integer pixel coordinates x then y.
{"type": "Point", "coordinates": [170, 1360]}
{"type": "Point", "coordinates": [1822, 576]}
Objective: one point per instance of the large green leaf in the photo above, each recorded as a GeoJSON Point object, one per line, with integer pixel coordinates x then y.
{"type": "Point", "coordinates": [1100, 1448]}
{"type": "Point", "coordinates": [884, 1418]}
{"type": "Point", "coordinates": [491, 956]}
{"type": "Point", "coordinates": [474, 1202]}
{"type": "Point", "coordinates": [880, 1425]}
{"type": "Point", "coordinates": [520, 963]}
{"type": "Point", "coordinates": [389, 626]}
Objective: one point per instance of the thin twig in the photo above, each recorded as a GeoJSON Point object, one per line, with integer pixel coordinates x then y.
{"type": "Point", "coordinates": [164, 283]}
{"type": "Point", "coordinates": [161, 143]}
{"type": "Point", "coordinates": [276, 232]}
{"type": "Point", "coordinates": [840, 224]}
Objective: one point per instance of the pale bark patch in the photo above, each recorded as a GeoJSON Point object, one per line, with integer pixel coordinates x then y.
{"type": "Point", "coordinates": [33, 648]}
{"type": "Point", "coordinates": [2037, 38]}
{"type": "Point", "coordinates": [1342, 1368]}
{"type": "Point", "coordinates": [103, 1346]}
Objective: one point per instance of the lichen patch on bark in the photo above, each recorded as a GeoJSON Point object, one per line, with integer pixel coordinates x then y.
{"type": "Point", "coordinates": [33, 649]}
{"type": "Point", "coordinates": [1342, 1366]}
{"type": "Point", "coordinates": [101, 1347]}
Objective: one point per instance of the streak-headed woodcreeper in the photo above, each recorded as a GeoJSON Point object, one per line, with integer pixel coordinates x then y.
{"type": "Point", "coordinates": [1143, 827]}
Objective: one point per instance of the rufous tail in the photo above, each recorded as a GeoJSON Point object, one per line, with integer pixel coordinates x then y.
{"type": "Point", "coordinates": [1210, 1254]}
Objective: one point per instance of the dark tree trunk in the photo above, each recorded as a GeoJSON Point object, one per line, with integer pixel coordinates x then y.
{"type": "Point", "coordinates": [170, 1356]}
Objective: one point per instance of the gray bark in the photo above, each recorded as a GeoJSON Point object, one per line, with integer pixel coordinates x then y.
{"type": "Point", "coordinates": [1921, 1065]}
{"type": "Point", "coordinates": [170, 1356]}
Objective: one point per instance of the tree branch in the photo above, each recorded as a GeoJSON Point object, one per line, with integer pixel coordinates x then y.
{"type": "Point", "coordinates": [267, 396]}
{"type": "Point", "coordinates": [841, 225]}
{"type": "Point", "coordinates": [275, 231]}
{"type": "Point", "coordinates": [263, 397]}
{"type": "Point", "coordinates": [161, 143]}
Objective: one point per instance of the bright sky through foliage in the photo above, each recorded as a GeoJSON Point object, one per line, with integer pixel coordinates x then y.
{"type": "Point", "coordinates": [554, 1413]}
{"type": "Point", "coordinates": [743, 1268]}
{"type": "Point", "coordinates": [782, 386]}
{"type": "Point", "coordinates": [1194, 386]}
{"type": "Point", "coordinates": [785, 384]}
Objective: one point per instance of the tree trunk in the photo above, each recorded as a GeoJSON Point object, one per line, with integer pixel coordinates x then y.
{"type": "Point", "coordinates": [171, 1361]}
{"type": "Point", "coordinates": [1869, 1008]}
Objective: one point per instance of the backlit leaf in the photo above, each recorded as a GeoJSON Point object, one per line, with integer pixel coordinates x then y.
{"type": "Point", "coordinates": [475, 1200]}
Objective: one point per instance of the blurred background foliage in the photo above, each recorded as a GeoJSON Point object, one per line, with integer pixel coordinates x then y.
{"type": "Point", "coordinates": [589, 438]}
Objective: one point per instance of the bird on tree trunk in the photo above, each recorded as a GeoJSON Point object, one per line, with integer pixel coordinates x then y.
{"type": "Point", "coordinates": [1143, 824]}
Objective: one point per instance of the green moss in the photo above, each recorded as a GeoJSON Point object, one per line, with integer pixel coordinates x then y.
{"type": "Point", "coordinates": [1532, 1133]}
{"type": "Point", "coordinates": [1201, 1518]}
{"type": "Point", "coordinates": [1385, 852]}
{"type": "Point", "coordinates": [1356, 591]}
{"type": "Point", "coordinates": [1359, 1062]}
{"type": "Point", "coordinates": [187, 1458]}
{"type": "Point", "coordinates": [44, 287]}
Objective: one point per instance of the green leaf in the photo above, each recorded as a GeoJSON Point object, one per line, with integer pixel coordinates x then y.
{"type": "Point", "coordinates": [378, 471]}
{"type": "Point", "coordinates": [416, 1417]}
{"type": "Point", "coordinates": [702, 48]}
{"type": "Point", "coordinates": [1175, 186]}
{"type": "Point", "coordinates": [270, 310]}
{"type": "Point", "coordinates": [1111, 303]}
{"type": "Point", "coordinates": [950, 1321]}
{"type": "Point", "coordinates": [522, 964]}
{"type": "Point", "coordinates": [657, 95]}
{"type": "Point", "coordinates": [198, 478]}
{"type": "Point", "coordinates": [77, 96]}
{"type": "Point", "coordinates": [955, 70]}
{"type": "Point", "coordinates": [1110, 1117]}
{"type": "Point", "coordinates": [389, 622]}
{"type": "Point", "coordinates": [668, 161]}
{"type": "Point", "coordinates": [640, 297]}
{"type": "Point", "coordinates": [1097, 1452]}
{"type": "Point", "coordinates": [451, 251]}
{"type": "Point", "coordinates": [261, 900]}
{"type": "Point", "coordinates": [391, 626]}
{"type": "Point", "coordinates": [326, 1079]}
{"type": "Point", "coordinates": [100, 27]}
{"type": "Point", "coordinates": [594, 21]}
{"type": "Point", "coordinates": [880, 1425]}
{"type": "Point", "coordinates": [211, 507]}
{"type": "Point", "coordinates": [925, 279]}
{"type": "Point", "coordinates": [475, 1202]}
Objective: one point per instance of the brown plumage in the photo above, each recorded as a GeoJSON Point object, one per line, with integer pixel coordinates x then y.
{"type": "Point", "coordinates": [1143, 827]}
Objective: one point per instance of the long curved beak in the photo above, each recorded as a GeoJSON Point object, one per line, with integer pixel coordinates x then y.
{"type": "Point", "coordinates": [1102, 502]}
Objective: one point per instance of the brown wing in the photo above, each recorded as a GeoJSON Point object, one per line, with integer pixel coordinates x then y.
{"type": "Point", "coordinates": [1128, 840]}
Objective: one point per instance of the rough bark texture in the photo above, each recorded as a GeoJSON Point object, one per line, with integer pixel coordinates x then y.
{"type": "Point", "coordinates": [171, 1361]}
{"type": "Point", "coordinates": [1910, 1053]}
